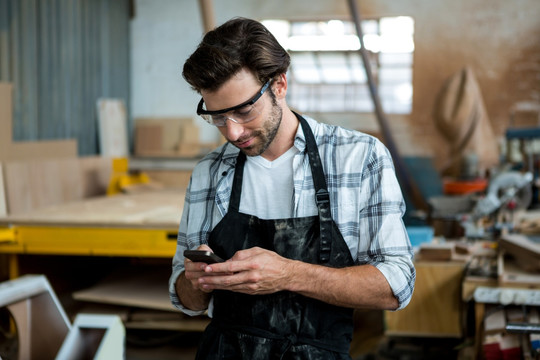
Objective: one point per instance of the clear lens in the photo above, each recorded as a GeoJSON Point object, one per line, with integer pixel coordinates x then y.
{"type": "Point", "coordinates": [240, 116]}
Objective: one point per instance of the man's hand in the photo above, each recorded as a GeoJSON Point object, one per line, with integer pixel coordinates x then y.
{"type": "Point", "coordinates": [195, 270]}
{"type": "Point", "coordinates": [188, 287]}
{"type": "Point", "coordinates": [259, 271]}
{"type": "Point", "coordinates": [251, 271]}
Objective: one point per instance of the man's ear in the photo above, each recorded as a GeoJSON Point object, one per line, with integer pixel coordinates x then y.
{"type": "Point", "coordinates": [279, 86]}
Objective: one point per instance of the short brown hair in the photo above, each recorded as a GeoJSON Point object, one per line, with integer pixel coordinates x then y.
{"type": "Point", "coordinates": [238, 43]}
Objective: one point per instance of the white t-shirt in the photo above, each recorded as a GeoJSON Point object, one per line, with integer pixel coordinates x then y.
{"type": "Point", "coordinates": [267, 187]}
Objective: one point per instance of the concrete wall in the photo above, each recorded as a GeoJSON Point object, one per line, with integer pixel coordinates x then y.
{"type": "Point", "coordinates": [498, 39]}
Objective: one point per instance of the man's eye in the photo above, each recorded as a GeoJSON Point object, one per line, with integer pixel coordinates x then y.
{"type": "Point", "coordinates": [218, 118]}
{"type": "Point", "coordinates": [244, 111]}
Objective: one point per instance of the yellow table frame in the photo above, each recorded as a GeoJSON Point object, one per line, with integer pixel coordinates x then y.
{"type": "Point", "coordinates": [97, 241]}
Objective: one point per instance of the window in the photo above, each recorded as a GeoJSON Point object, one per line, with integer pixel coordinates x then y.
{"type": "Point", "coordinates": [327, 73]}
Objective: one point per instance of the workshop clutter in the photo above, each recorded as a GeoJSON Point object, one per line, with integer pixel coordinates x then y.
{"type": "Point", "coordinates": [505, 335]}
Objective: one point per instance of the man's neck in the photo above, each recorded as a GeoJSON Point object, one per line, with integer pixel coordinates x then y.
{"type": "Point", "coordinates": [284, 139]}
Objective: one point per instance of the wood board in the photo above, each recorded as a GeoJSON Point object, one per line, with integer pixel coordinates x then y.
{"type": "Point", "coordinates": [112, 121]}
{"type": "Point", "coordinates": [143, 287]}
{"type": "Point", "coordinates": [96, 172]}
{"type": "Point", "coordinates": [170, 178]}
{"type": "Point", "coordinates": [145, 318]}
{"type": "Point", "coordinates": [523, 249]}
{"type": "Point", "coordinates": [511, 273]}
{"type": "Point", "coordinates": [32, 150]}
{"type": "Point", "coordinates": [435, 308]}
{"type": "Point", "coordinates": [6, 115]}
{"type": "Point", "coordinates": [155, 209]}
{"type": "Point", "coordinates": [3, 200]}
{"type": "Point", "coordinates": [167, 137]}
{"type": "Point", "coordinates": [31, 185]}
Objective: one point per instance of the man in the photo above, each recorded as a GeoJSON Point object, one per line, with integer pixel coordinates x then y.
{"type": "Point", "coordinates": [306, 215]}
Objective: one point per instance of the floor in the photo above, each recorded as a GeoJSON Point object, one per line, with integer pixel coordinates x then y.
{"type": "Point", "coordinates": [183, 347]}
{"type": "Point", "coordinates": [146, 345]}
{"type": "Point", "coordinates": [369, 343]}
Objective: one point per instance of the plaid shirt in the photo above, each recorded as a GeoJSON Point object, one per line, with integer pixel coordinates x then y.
{"type": "Point", "coordinates": [366, 202]}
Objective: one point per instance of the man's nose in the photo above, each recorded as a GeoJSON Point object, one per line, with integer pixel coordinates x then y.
{"type": "Point", "coordinates": [233, 130]}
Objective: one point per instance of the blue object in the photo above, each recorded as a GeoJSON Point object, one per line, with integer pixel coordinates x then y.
{"type": "Point", "coordinates": [429, 183]}
{"type": "Point", "coordinates": [419, 234]}
{"type": "Point", "coordinates": [523, 133]}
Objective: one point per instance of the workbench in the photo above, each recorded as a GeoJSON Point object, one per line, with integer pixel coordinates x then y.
{"type": "Point", "coordinates": [133, 225]}
{"type": "Point", "coordinates": [141, 226]}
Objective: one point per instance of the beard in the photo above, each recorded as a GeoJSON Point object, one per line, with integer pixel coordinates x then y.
{"type": "Point", "coordinates": [267, 133]}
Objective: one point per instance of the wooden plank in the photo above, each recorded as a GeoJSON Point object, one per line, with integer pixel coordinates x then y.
{"type": "Point", "coordinates": [435, 308]}
{"type": "Point", "coordinates": [436, 252]}
{"type": "Point", "coordinates": [96, 173]}
{"type": "Point", "coordinates": [34, 150]}
{"type": "Point", "coordinates": [32, 185]}
{"type": "Point", "coordinates": [155, 209]}
{"type": "Point", "coordinates": [143, 287]}
{"type": "Point", "coordinates": [144, 318]}
{"type": "Point", "coordinates": [6, 114]}
{"type": "Point", "coordinates": [3, 200]}
{"type": "Point", "coordinates": [207, 14]}
{"type": "Point", "coordinates": [148, 140]}
{"type": "Point", "coordinates": [523, 249]}
{"type": "Point", "coordinates": [170, 130]}
{"type": "Point", "coordinates": [164, 137]}
{"type": "Point", "coordinates": [17, 184]}
{"type": "Point", "coordinates": [512, 273]}
{"type": "Point", "coordinates": [170, 178]}
{"type": "Point", "coordinates": [112, 120]}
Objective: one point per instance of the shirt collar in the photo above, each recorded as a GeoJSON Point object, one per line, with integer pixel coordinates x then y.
{"type": "Point", "coordinates": [300, 138]}
{"type": "Point", "coordinates": [229, 154]}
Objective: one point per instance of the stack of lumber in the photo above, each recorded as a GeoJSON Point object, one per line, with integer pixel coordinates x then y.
{"type": "Point", "coordinates": [519, 261]}
{"type": "Point", "coordinates": [36, 174]}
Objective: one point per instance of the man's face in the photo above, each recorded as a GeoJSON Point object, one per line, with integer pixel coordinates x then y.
{"type": "Point", "coordinates": [254, 137]}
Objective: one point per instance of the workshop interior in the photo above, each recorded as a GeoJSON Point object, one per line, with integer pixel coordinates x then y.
{"type": "Point", "coordinates": [99, 135]}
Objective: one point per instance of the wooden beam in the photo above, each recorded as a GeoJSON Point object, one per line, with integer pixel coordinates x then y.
{"type": "Point", "coordinates": [207, 13]}
{"type": "Point", "coordinates": [406, 181]}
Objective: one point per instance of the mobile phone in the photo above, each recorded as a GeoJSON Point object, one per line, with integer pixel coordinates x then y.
{"type": "Point", "coordinates": [204, 256]}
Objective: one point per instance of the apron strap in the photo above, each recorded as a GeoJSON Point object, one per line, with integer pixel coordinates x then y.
{"type": "Point", "coordinates": [234, 201]}
{"type": "Point", "coordinates": [322, 197]}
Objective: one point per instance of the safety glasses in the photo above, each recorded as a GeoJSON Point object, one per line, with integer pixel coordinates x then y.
{"type": "Point", "coordinates": [240, 114]}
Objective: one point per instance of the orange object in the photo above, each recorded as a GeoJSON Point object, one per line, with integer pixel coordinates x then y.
{"type": "Point", "coordinates": [462, 187]}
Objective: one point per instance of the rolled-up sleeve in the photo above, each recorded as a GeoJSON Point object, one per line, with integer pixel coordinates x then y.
{"type": "Point", "coordinates": [204, 206]}
{"type": "Point", "coordinates": [178, 259]}
{"type": "Point", "coordinates": [388, 248]}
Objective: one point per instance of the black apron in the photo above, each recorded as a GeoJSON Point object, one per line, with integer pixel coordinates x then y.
{"type": "Point", "coordinates": [283, 325]}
